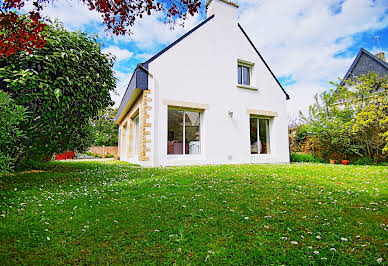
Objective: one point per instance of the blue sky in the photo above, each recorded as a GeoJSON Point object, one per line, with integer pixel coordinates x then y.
{"type": "Point", "coordinates": [306, 43]}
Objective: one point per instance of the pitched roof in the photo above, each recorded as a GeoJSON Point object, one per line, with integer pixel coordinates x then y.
{"type": "Point", "coordinates": [362, 52]}
{"type": "Point", "coordinates": [265, 63]}
{"type": "Point", "coordinates": [139, 79]}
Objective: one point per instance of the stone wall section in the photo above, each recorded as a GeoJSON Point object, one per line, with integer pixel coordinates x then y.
{"type": "Point", "coordinates": [145, 126]}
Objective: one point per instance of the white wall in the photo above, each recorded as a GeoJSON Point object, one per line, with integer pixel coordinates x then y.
{"type": "Point", "coordinates": [202, 69]}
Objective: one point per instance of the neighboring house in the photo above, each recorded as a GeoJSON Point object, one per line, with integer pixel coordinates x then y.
{"type": "Point", "coordinates": [366, 62]}
{"type": "Point", "coordinates": [208, 98]}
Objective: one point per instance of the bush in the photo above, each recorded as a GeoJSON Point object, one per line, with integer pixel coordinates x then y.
{"type": "Point", "coordinates": [364, 161]}
{"type": "Point", "coordinates": [109, 156]}
{"type": "Point", "coordinates": [303, 158]}
{"type": "Point", "coordinates": [11, 116]}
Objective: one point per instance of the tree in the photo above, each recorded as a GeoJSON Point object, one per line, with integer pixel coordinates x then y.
{"type": "Point", "coordinates": [371, 128]}
{"type": "Point", "coordinates": [11, 116]}
{"type": "Point", "coordinates": [105, 130]}
{"type": "Point", "coordinates": [62, 86]}
{"type": "Point", "coordinates": [352, 119]}
{"type": "Point", "coordinates": [21, 33]}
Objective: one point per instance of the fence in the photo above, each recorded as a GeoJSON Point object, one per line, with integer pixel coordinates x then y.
{"type": "Point", "coordinates": [105, 150]}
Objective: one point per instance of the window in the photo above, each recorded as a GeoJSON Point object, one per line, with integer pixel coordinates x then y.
{"type": "Point", "coordinates": [260, 136]}
{"type": "Point", "coordinates": [244, 75]}
{"type": "Point", "coordinates": [183, 135]}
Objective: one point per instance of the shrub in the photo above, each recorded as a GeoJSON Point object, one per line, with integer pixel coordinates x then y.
{"type": "Point", "coordinates": [61, 86]}
{"type": "Point", "coordinates": [109, 156]}
{"type": "Point", "coordinates": [363, 161]}
{"type": "Point", "coordinates": [11, 116]}
{"type": "Point", "coordinates": [302, 157]}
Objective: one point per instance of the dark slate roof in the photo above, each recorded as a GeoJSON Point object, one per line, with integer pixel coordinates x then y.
{"type": "Point", "coordinates": [265, 63]}
{"type": "Point", "coordinates": [363, 63]}
{"type": "Point", "coordinates": [139, 79]}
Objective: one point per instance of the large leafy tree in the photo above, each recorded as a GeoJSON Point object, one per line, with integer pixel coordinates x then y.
{"type": "Point", "coordinates": [20, 33]}
{"type": "Point", "coordinates": [352, 119]}
{"type": "Point", "coordinates": [105, 130]}
{"type": "Point", "coordinates": [62, 86]}
{"type": "Point", "coordinates": [11, 117]}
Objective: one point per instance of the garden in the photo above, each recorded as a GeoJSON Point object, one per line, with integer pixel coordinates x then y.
{"type": "Point", "coordinates": [113, 212]}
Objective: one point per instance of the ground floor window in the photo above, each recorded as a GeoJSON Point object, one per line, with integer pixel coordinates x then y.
{"type": "Point", "coordinates": [183, 135]}
{"type": "Point", "coordinates": [260, 140]}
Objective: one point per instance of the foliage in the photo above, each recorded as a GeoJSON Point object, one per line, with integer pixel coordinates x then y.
{"type": "Point", "coordinates": [363, 161]}
{"type": "Point", "coordinates": [19, 32]}
{"type": "Point", "coordinates": [302, 132]}
{"type": "Point", "coordinates": [303, 158]}
{"type": "Point", "coordinates": [341, 119]}
{"type": "Point", "coordinates": [11, 117]}
{"type": "Point", "coordinates": [95, 155]}
{"type": "Point", "coordinates": [105, 130]}
{"type": "Point", "coordinates": [371, 127]}
{"type": "Point", "coordinates": [96, 212]}
{"type": "Point", "coordinates": [62, 86]}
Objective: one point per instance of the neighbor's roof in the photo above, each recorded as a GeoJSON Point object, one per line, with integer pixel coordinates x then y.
{"type": "Point", "coordinates": [139, 79]}
{"type": "Point", "coordinates": [365, 62]}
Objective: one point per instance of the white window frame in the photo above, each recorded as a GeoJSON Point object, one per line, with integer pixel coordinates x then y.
{"type": "Point", "coordinates": [184, 110]}
{"type": "Point", "coordinates": [258, 134]}
{"type": "Point", "coordinates": [251, 71]}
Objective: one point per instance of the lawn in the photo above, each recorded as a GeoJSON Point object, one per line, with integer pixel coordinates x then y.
{"type": "Point", "coordinates": [113, 212]}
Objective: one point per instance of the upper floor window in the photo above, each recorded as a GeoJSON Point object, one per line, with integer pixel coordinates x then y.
{"type": "Point", "coordinates": [244, 73]}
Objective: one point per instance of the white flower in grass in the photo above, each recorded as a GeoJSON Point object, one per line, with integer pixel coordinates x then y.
{"type": "Point", "coordinates": [379, 260]}
{"type": "Point", "coordinates": [284, 238]}
{"type": "Point", "coordinates": [48, 238]}
{"type": "Point", "coordinates": [316, 252]}
{"type": "Point", "coordinates": [333, 249]}
{"type": "Point", "coordinates": [319, 237]}
{"type": "Point", "coordinates": [323, 258]}
{"type": "Point", "coordinates": [344, 239]}
{"type": "Point", "coordinates": [156, 231]}
{"type": "Point", "coordinates": [201, 210]}
{"type": "Point", "coordinates": [310, 247]}
{"type": "Point", "coordinates": [294, 242]}
{"type": "Point", "coordinates": [246, 218]}
{"type": "Point", "coordinates": [302, 237]}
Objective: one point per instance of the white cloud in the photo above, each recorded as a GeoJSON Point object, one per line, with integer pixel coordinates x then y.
{"type": "Point", "coordinates": [72, 13]}
{"type": "Point", "coordinates": [122, 84]}
{"type": "Point", "coordinates": [302, 37]}
{"type": "Point", "coordinates": [121, 54]}
{"type": "Point", "coordinates": [144, 56]}
{"type": "Point", "coordinates": [150, 31]}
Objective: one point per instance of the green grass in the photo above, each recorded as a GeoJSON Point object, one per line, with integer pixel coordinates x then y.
{"type": "Point", "coordinates": [112, 212]}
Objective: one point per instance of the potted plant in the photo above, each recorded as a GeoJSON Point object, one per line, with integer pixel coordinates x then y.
{"type": "Point", "coordinates": [332, 161]}
{"type": "Point", "coordinates": [345, 162]}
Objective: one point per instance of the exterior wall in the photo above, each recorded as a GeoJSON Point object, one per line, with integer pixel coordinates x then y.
{"type": "Point", "coordinates": [105, 150]}
{"type": "Point", "coordinates": [201, 70]}
{"type": "Point", "coordinates": [143, 108]}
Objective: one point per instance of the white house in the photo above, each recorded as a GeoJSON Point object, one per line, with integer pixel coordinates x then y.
{"type": "Point", "coordinates": [208, 98]}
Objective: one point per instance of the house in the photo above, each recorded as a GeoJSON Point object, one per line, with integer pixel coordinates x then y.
{"type": "Point", "coordinates": [207, 98]}
{"type": "Point", "coordinates": [366, 62]}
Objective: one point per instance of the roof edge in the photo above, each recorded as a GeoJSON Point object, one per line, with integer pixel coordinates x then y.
{"type": "Point", "coordinates": [225, 1]}
{"type": "Point", "coordinates": [265, 63]}
{"type": "Point", "coordinates": [179, 39]}
{"type": "Point", "coordinates": [355, 61]}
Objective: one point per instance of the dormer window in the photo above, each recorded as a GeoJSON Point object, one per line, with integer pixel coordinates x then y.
{"type": "Point", "coordinates": [244, 73]}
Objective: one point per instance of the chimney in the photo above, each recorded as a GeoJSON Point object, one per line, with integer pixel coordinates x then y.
{"type": "Point", "coordinates": [222, 9]}
{"type": "Point", "coordinates": [381, 56]}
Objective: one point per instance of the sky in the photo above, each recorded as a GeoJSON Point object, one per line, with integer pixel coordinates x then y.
{"type": "Point", "coordinates": [306, 43]}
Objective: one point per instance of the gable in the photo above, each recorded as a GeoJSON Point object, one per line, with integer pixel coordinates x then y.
{"type": "Point", "coordinates": [364, 63]}
{"type": "Point", "coordinates": [265, 63]}
{"type": "Point", "coordinates": [139, 79]}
